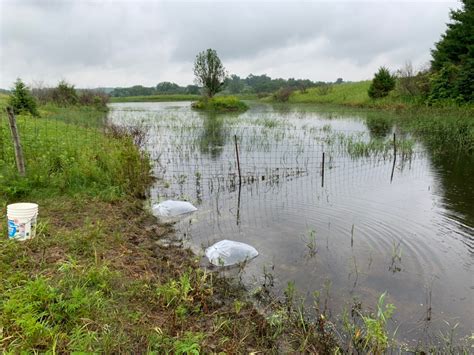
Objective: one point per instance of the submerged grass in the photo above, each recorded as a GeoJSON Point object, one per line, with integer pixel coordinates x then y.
{"type": "Point", "coordinates": [441, 125]}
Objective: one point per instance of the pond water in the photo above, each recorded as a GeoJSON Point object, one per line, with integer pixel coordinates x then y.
{"type": "Point", "coordinates": [363, 225]}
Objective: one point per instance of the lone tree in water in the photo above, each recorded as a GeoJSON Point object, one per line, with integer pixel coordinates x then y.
{"type": "Point", "coordinates": [209, 72]}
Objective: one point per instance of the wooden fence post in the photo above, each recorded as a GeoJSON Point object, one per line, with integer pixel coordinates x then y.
{"type": "Point", "coordinates": [322, 172]}
{"type": "Point", "coordinates": [20, 161]}
{"type": "Point", "coordinates": [238, 159]}
{"type": "Point", "coordinates": [394, 156]}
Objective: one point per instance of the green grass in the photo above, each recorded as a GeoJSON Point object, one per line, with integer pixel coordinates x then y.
{"type": "Point", "coordinates": [85, 116]}
{"type": "Point", "coordinates": [63, 158]}
{"type": "Point", "coordinates": [352, 94]}
{"type": "Point", "coordinates": [355, 95]}
{"type": "Point", "coordinates": [220, 104]}
{"type": "Point", "coordinates": [156, 98]}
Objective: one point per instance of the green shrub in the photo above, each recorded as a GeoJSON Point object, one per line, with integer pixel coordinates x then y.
{"type": "Point", "coordinates": [382, 84]}
{"type": "Point", "coordinates": [94, 98]}
{"type": "Point", "coordinates": [21, 99]}
{"type": "Point", "coordinates": [283, 94]}
{"type": "Point", "coordinates": [324, 89]}
{"type": "Point", "coordinates": [65, 94]}
{"type": "Point", "coordinates": [220, 104]}
{"type": "Point", "coordinates": [413, 86]}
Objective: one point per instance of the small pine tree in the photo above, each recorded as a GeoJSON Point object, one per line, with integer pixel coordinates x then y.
{"type": "Point", "coordinates": [382, 84]}
{"type": "Point", "coordinates": [21, 99]}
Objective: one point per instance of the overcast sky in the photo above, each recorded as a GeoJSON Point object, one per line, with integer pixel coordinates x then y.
{"type": "Point", "coordinates": [124, 43]}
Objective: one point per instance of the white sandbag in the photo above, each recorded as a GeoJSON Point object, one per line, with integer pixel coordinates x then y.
{"type": "Point", "coordinates": [228, 252]}
{"type": "Point", "coordinates": [171, 208]}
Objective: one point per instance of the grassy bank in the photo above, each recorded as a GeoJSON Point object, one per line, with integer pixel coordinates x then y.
{"type": "Point", "coordinates": [156, 98]}
{"type": "Point", "coordinates": [355, 95]}
{"type": "Point", "coordinates": [220, 104]}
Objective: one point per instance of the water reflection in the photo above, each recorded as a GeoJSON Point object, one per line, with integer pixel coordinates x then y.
{"type": "Point", "coordinates": [456, 172]}
{"type": "Point", "coordinates": [213, 136]}
{"type": "Point", "coordinates": [379, 125]}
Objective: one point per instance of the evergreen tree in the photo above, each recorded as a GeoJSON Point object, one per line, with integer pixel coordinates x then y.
{"type": "Point", "coordinates": [382, 84]}
{"type": "Point", "coordinates": [453, 58]}
{"type": "Point", "coordinates": [21, 99]}
{"type": "Point", "coordinates": [457, 44]}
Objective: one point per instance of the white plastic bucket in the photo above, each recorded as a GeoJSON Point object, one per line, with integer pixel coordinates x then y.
{"type": "Point", "coordinates": [21, 219]}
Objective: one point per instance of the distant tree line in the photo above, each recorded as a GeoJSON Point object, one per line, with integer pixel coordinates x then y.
{"type": "Point", "coordinates": [252, 84]}
{"type": "Point", "coordinates": [263, 84]}
{"type": "Point", "coordinates": [163, 88]}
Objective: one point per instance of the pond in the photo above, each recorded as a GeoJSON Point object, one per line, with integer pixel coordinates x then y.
{"type": "Point", "coordinates": [379, 215]}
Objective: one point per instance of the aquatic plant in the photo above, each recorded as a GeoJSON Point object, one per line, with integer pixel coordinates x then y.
{"type": "Point", "coordinates": [311, 243]}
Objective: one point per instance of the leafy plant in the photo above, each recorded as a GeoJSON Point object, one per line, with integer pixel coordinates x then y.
{"type": "Point", "coordinates": [190, 344]}
{"type": "Point", "coordinates": [311, 243]}
{"type": "Point", "coordinates": [382, 84]}
{"type": "Point", "coordinates": [375, 333]}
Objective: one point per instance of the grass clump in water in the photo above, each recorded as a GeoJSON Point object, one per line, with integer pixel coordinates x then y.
{"type": "Point", "coordinates": [220, 104]}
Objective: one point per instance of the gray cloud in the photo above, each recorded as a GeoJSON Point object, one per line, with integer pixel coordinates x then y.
{"type": "Point", "coordinates": [119, 43]}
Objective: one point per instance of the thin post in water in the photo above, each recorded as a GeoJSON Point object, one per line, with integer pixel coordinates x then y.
{"type": "Point", "coordinates": [20, 161]}
{"type": "Point", "coordinates": [322, 172]}
{"type": "Point", "coordinates": [238, 205]}
{"type": "Point", "coordinates": [238, 159]}
{"type": "Point", "coordinates": [394, 156]}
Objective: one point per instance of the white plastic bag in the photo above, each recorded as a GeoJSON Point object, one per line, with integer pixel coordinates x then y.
{"type": "Point", "coordinates": [171, 208]}
{"type": "Point", "coordinates": [228, 252]}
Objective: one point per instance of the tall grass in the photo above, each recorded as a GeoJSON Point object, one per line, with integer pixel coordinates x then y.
{"type": "Point", "coordinates": [67, 152]}
{"type": "Point", "coordinates": [352, 94]}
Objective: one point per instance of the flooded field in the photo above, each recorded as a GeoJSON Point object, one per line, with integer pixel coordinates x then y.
{"type": "Point", "coordinates": [333, 202]}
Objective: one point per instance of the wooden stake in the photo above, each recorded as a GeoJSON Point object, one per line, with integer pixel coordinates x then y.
{"type": "Point", "coordinates": [238, 160]}
{"type": "Point", "coordinates": [20, 162]}
{"type": "Point", "coordinates": [394, 156]}
{"type": "Point", "coordinates": [322, 173]}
